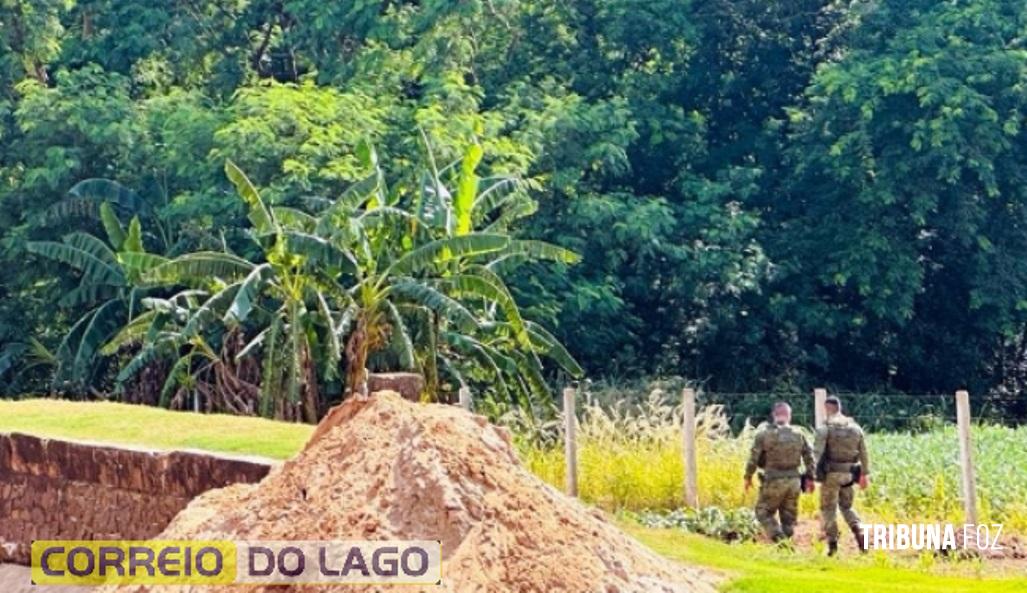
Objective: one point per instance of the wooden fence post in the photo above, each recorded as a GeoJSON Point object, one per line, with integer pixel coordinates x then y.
{"type": "Point", "coordinates": [966, 457]}
{"type": "Point", "coordinates": [688, 448]}
{"type": "Point", "coordinates": [465, 397]}
{"type": "Point", "coordinates": [570, 445]}
{"type": "Point", "coordinates": [819, 397]}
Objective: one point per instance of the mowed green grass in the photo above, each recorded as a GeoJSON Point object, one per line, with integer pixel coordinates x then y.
{"type": "Point", "coordinates": [757, 568]}
{"type": "Point", "coordinates": [157, 428]}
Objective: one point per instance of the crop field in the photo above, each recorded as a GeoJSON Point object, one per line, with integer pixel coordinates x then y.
{"type": "Point", "coordinates": [630, 459]}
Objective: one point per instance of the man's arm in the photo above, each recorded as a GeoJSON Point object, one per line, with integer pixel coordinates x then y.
{"type": "Point", "coordinates": [754, 456]}
{"type": "Point", "coordinates": [864, 461]}
{"type": "Point", "coordinates": [807, 458]}
{"type": "Point", "coordinates": [864, 458]}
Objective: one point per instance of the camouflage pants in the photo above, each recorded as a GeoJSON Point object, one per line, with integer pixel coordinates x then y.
{"type": "Point", "coordinates": [836, 493]}
{"type": "Point", "coordinates": [778, 496]}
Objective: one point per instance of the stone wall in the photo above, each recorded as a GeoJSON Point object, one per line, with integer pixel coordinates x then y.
{"type": "Point", "coordinates": [54, 489]}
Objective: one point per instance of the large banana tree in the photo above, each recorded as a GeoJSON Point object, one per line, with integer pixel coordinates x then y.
{"type": "Point", "coordinates": [109, 274]}
{"type": "Point", "coordinates": [379, 277]}
{"type": "Point", "coordinates": [282, 303]}
{"type": "Point", "coordinates": [109, 264]}
{"type": "Point", "coordinates": [432, 281]}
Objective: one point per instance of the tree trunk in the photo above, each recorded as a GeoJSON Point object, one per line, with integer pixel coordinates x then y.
{"type": "Point", "coordinates": [356, 359]}
{"type": "Point", "coordinates": [310, 394]}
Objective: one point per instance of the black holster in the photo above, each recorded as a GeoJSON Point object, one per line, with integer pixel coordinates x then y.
{"type": "Point", "coordinates": [821, 469]}
{"type": "Point", "coordinates": [857, 473]}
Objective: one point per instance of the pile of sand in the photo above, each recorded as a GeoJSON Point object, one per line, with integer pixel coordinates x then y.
{"type": "Point", "coordinates": [390, 469]}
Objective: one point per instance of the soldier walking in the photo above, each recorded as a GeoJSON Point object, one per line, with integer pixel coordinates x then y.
{"type": "Point", "coordinates": [778, 450]}
{"type": "Point", "coordinates": [841, 454]}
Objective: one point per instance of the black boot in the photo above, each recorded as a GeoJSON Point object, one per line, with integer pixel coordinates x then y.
{"type": "Point", "coordinates": [832, 548]}
{"type": "Point", "coordinates": [858, 534]}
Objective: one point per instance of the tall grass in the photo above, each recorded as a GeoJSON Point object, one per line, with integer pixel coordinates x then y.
{"type": "Point", "coordinates": [630, 455]}
{"type": "Point", "coordinates": [630, 458]}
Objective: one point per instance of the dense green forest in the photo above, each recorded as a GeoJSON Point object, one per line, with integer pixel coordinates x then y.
{"type": "Point", "coordinates": [762, 194]}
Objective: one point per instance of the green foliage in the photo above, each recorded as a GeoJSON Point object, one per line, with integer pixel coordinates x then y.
{"type": "Point", "coordinates": [629, 458]}
{"type": "Point", "coordinates": [299, 139]}
{"type": "Point", "coordinates": [911, 144]}
{"type": "Point", "coordinates": [360, 281]}
{"type": "Point", "coordinates": [764, 195]}
{"type": "Point", "coordinates": [730, 525]}
{"type": "Point", "coordinates": [107, 274]}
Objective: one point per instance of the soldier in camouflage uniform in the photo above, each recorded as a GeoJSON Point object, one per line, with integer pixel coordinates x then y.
{"type": "Point", "coordinates": [841, 454]}
{"type": "Point", "coordinates": [778, 450]}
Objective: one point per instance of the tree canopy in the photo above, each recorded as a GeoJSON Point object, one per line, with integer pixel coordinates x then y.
{"type": "Point", "coordinates": [763, 194]}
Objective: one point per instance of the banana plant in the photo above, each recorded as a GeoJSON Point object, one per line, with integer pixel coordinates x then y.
{"type": "Point", "coordinates": [430, 290]}
{"type": "Point", "coordinates": [380, 277]}
{"type": "Point", "coordinates": [493, 204]}
{"type": "Point", "coordinates": [18, 359]}
{"type": "Point", "coordinates": [100, 199]}
{"type": "Point", "coordinates": [109, 272]}
{"type": "Point", "coordinates": [283, 303]}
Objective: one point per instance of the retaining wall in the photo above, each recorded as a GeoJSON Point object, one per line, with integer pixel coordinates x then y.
{"type": "Point", "coordinates": [56, 489]}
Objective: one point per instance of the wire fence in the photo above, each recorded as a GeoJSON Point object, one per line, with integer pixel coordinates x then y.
{"type": "Point", "coordinates": [874, 411]}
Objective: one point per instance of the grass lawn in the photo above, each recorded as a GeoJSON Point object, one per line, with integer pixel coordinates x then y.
{"type": "Point", "coordinates": [754, 568]}
{"type": "Point", "coordinates": [157, 428]}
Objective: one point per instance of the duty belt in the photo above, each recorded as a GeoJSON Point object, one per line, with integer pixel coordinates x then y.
{"type": "Point", "coordinates": [780, 474]}
{"type": "Point", "coordinates": [840, 468]}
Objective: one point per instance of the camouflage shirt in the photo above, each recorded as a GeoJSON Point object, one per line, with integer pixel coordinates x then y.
{"type": "Point", "coordinates": [780, 449]}
{"type": "Point", "coordinates": [841, 440]}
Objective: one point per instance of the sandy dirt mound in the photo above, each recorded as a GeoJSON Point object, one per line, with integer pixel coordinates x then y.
{"type": "Point", "coordinates": [390, 469]}
{"type": "Point", "coordinates": [15, 578]}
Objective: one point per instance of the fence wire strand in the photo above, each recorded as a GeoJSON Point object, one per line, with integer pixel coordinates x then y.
{"type": "Point", "coordinates": [874, 411]}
